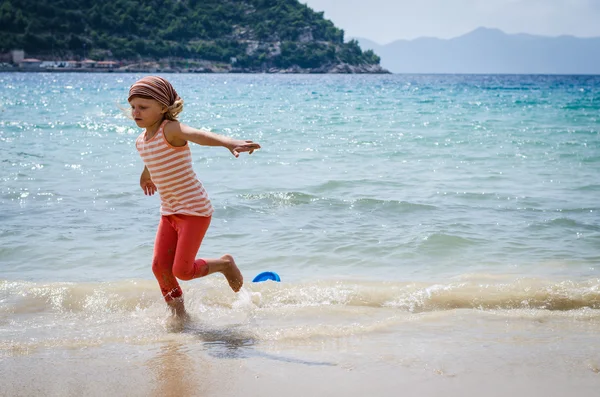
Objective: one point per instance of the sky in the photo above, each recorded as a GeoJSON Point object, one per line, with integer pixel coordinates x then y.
{"type": "Point", "coordinates": [384, 21]}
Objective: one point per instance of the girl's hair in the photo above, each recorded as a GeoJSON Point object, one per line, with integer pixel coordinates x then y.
{"type": "Point", "coordinates": [174, 110]}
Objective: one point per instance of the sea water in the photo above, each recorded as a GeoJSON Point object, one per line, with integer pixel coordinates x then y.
{"type": "Point", "coordinates": [407, 215]}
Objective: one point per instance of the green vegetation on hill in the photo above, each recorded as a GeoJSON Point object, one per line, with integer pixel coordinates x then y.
{"type": "Point", "coordinates": [257, 33]}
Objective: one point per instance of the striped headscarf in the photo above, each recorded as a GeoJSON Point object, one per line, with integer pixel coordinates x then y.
{"type": "Point", "coordinates": [154, 87]}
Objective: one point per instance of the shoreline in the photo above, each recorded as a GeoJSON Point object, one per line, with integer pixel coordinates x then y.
{"type": "Point", "coordinates": [338, 69]}
{"type": "Point", "coordinates": [80, 70]}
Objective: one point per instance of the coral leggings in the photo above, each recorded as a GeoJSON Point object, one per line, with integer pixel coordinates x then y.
{"type": "Point", "coordinates": [177, 242]}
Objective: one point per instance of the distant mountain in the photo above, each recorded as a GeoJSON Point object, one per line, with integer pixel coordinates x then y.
{"type": "Point", "coordinates": [490, 51]}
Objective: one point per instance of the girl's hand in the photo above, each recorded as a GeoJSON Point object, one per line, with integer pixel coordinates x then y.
{"type": "Point", "coordinates": [238, 146]}
{"type": "Point", "coordinates": [146, 184]}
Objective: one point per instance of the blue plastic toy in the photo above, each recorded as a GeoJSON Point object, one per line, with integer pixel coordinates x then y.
{"type": "Point", "coordinates": [264, 276]}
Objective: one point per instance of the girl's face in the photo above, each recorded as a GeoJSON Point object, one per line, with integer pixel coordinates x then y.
{"type": "Point", "coordinates": [146, 112]}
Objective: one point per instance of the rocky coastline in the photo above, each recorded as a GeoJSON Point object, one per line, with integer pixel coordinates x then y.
{"type": "Point", "coordinates": [341, 68]}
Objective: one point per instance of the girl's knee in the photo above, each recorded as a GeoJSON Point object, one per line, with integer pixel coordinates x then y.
{"type": "Point", "coordinates": [162, 260]}
{"type": "Point", "coordinates": [162, 269]}
{"type": "Point", "coordinates": [184, 270]}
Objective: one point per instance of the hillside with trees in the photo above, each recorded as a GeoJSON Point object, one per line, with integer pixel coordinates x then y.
{"type": "Point", "coordinates": [249, 35]}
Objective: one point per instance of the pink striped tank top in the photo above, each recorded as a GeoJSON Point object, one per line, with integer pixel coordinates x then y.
{"type": "Point", "coordinates": [171, 170]}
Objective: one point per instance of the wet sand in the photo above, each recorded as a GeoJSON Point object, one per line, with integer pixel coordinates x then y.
{"type": "Point", "coordinates": [459, 354]}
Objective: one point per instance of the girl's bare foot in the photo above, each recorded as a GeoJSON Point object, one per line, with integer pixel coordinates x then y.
{"type": "Point", "coordinates": [232, 273]}
{"type": "Point", "coordinates": [178, 309]}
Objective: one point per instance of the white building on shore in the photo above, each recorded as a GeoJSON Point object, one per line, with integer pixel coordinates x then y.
{"type": "Point", "coordinates": [30, 63]}
{"type": "Point", "coordinates": [17, 56]}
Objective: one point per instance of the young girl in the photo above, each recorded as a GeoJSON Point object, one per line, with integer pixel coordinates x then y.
{"type": "Point", "coordinates": [185, 207]}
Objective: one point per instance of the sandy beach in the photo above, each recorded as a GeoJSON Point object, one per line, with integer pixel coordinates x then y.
{"type": "Point", "coordinates": [458, 353]}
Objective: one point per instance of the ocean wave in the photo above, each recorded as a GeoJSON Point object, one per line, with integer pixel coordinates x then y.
{"type": "Point", "coordinates": [391, 205]}
{"type": "Point", "coordinates": [345, 185]}
{"type": "Point", "coordinates": [427, 297]}
{"type": "Point", "coordinates": [579, 210]}
{"type": "Point", "coordinates": [589, 188]}
{"type": "Point", "coordinates": [492, 293]}
{"type": "Point", "coordinates": [335, 184]}
{"type": "Point", "coordinates": [575, 224]}
{"type": "Point", "coordinates": [281, 199]}
{"type": "Point", "coordinates": [581, 105]}
{"type": "Point", "coordinates": [483, 196]}
{"type": "Point", "coordinates": [519, 295]}
{"type": "Point", "coordinates": [443, 241]}
{"type": "Point", "coordinates": [290, 199]}
{"type": "Point", "coordinates": [37, 316]}
{"type": "Point", "coordinates": [591, 159]}
{"type": "Point", "coordinates": [564, 222]}
{"type": "Point", "coordinates": [28, 297]}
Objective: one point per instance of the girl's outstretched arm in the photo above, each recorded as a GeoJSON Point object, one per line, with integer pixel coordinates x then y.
{"type": "Point", "coordinates": [178, 134]}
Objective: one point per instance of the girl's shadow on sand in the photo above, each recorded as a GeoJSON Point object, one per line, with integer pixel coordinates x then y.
{"type": "Point", "coordinates": [231, 342]}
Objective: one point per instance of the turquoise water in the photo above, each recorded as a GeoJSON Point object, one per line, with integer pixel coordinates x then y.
{"type": "Point", "coordinates": [439, 234]}
{"type": "Point", "coordinates": [384, 177]}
